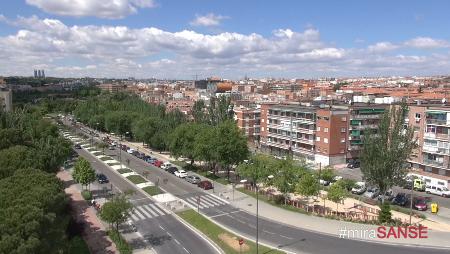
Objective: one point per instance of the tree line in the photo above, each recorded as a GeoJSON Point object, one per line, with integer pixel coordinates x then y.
{"type": "Point", "coordinates": [33, 205]}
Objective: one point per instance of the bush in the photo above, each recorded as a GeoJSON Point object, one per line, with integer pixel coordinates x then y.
{"type": "Point", "coordinates": [385, 215]}
{"type": "Point", "coordinates": [87, 195]}
{"type": "Point", "coordinates": [121, 244]}
{"type": "Point", "coordinates": [136, 179]}
{"type": "Point", "coordinates": [152, 190]}
{"type": "Point", "coordinates": [124, 170]}
{"type": "Point", "coordinates": [78, 246]}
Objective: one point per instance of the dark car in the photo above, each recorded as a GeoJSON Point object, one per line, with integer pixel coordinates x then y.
{"type": "Point", "coordinates": [192, 179]}
{"type": "Point", "coordinates": [420, 204]}
{"type": "Point", "coordinates": [172, 170]}
{"type": "Point", "coordinates": [136, 153]}
{"type": "Point", "coordinates": [354, 164]}
{"type": "Point", "coordinates": [77, 146]}
{"type": "Point", "coordinates": [142, 156]}
{"type": "Point", "coordinates": [124, 147]}
{"type": "Point", "coordinates": [206, 185]}
{"type": "Point", "coordinates": [101, 178]}
{"type": "Point", "coordinates": [401, 199]}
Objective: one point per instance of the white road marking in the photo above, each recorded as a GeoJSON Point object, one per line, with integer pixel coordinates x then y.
{"type": "Point", "coordinates": [139, 214]}
{"type": "Point", "coordinates": [142, 210]}
{"type": "Point", "coordinates": [150, 210]}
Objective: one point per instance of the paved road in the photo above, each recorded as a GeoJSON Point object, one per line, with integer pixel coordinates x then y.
{"type": "Point", "coordinates": [286, 237]}
{"type": "Point", "coordinates": [159, 229]}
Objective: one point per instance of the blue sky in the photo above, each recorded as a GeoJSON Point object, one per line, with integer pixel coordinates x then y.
{"type": "Point", "coordinates": [179, 39]}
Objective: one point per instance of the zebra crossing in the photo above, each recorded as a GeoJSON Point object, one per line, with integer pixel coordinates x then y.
{"type": "Point", "coordinates": [147, 211]}
{"type": "Point", "coordinates": [206, 201]}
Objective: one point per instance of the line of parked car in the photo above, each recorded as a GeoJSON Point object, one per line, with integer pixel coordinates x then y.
{"type": "Point", "coordinates": [167, 166]}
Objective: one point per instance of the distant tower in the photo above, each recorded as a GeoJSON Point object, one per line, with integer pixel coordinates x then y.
{"type": "Point", "coordinates": [35, 73]}
{"type": "Point", "coordinates": [42, 73]}
{"type": "Point", "coordinates": [39, 73]}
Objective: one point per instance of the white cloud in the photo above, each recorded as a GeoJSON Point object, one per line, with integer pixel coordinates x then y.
{"type": "Point", "coordinates": [427, 43]}
{"type": "Point", "coordinates": [209, 19]}
{"type": "Point", "coordinates": [120, 51]}
{"type": "Point", "coordinates": [110, 9]}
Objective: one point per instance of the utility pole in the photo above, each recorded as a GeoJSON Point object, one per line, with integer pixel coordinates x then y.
{"type": "Point", "coordinates": [411, 202]}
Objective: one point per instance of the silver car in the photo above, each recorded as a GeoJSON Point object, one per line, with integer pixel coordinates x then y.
{"type": "Point", "coordinates": [192, 179]}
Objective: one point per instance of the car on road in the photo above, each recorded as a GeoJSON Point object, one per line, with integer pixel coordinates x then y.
{"type": "Point", "coordinates": [401, 199]}
{"type": "Point", "coordinates": [77, 146]}
{"type": "Point", "coordinates": [101, 178]}
{"type": "Point", "coordinates": [130, 150]}
{"type": "Point", "coordinates": [172, 170]}
{"type": "Point", "coordinates": [124, 148]}
{"type": "Point", "coordinates": [181, 173]}
{"type": "Point", "coordinates": [360, 188]}
{"type": "Point", "coordinates": [157, 163]}
{"type": "Point", "coordinates": [438, 190]}
{"type": "Point", "coordinates": [354, 164]}
{"type": "Point", "coordinates": [166, 165]}
{"type": "Point", "coordinates": [372, 192]}
{"type": "Point", "coordinates": [192, 179]}
{"type": "Point", "coordinates": [206, 185]}
{"type": "Point", "coordinates": [420, 204]}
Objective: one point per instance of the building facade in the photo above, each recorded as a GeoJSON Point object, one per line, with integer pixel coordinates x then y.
{"type": "Point", "coordinates": [249, 121]}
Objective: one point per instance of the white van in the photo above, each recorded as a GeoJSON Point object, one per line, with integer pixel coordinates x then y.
{"type": "Point", "coordinates": [166, 165]}
{"type": "Point", "coordinates": [360, 188]}
{"type": "Point", "coordinates": [438, 190]}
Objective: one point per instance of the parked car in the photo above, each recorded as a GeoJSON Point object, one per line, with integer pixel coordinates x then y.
{"type": "Point", "coordinates": [354, 164]}
{"type": "Point", "coordinates": [438, 190]}
{"type": "Point", "coordinates": [111, 147]}
{"type": "Point", "coordinates": [130, 150]}
{"type": "Point", "coordinates": [372, 192]}
{"type": "Point", "coordinates": [125, 147]}
{"type": "Point", "coordinates": [172, 170]}
{"type": "Point", "coordinates": [192, 179]}
{"type": "Point", "coordinates": [401, 199]}
{"type": "Point", "coordinates": [142, 155]}
{"type": "Point", "coordinates": [166, 165]}
{"type": "Point", "coordinates": [157, 163]}
{"type": "Point", "coordinates": [101, 178]}
{"type": "Point", "coordinates": [360, 188]}
{"type": "Point", "coordinates": [181, 173]}
{"type": "Point", "coordinates": [114, 143]}
{"type": "Point", "coordinates": [388, 195]}
{"type": "Point", "coordinates": [206, 185]}
{"type": "Point", "coordinates": [77, 146]}
{"type": "Point", "coordinates": [323, 182]}
{"type": "Point", "coordinates": [420, 204]}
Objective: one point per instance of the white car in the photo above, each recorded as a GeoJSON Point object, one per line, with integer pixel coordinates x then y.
{"type": "Point", "coordinates": [130, 150]}
{"type": "Point", "coordinates": [181, 173]}
{"type": "Point", "coordinates": [438, 190]}
{"type": "Point", "coordinates": [360, 188]}
{"type": "Point", "coordinates": [166, 165]}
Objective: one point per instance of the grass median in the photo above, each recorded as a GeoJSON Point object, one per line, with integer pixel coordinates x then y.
{"type": "Point", "coordinates": [136, 179]}
{"type": "Point", "coordinates": [152, 190]}
{"type": "Point", "coordinates": [124, 170]}
{"type": "Point", "coordinates": [227, 241]}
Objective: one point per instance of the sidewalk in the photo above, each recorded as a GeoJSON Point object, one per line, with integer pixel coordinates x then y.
{"type": "Point", "coordinates": [94, 231]}
{"type": "Point", "coordinates": [309, 222]}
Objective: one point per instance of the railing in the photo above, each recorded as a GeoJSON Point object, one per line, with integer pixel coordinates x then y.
{"type": "Point", "coordinates": [377, 116]}
{"type": "Point", "coordinates": [437, 121]}
{"type": "Point", "coordinates": [433, 162]}
{"type": "Point", "coordinates": [363, 127]}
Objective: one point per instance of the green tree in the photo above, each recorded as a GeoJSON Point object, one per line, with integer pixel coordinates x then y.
{"type": "Point", "coordinates": [182, 140]}
{"type": "Point", "coordinates": [116, 211]}
{"type": "Point", "coordinates": [337, 193]}
{"type": "Point", "coordinates": [205, 148]}
{"type": "Point", "coordinates": [327, 174]}
{"type": "Point", "coordinates": [385, 215]}
{"type": "Point", "coordinates": [144, 128]}
{"type": "Point", "coordinates": [308, 185]}
{"type": "Point", "coordinates": [386, 151]}
{"type": "Point", "coordinates": [83, 172]}
{"type": "Point", "coordinates": [199, 112]}
{"type": "Point", "coordinates": [220, 110]}
{"type": "Point", "coordinates": [14, 158]}
{"type": "Point", "coordinates": [257, 169]}
{"type": "Point", "coordinates": [286, 176]}
{"type": "Point", "coordinates": [232, 146]}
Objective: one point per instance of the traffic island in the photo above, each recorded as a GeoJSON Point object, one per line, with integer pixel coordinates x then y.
{"type": "Point", "coordinates": [227, 241]}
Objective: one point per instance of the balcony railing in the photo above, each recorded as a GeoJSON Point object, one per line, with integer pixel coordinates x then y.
{"type": "Point", "coordinates": [363, 126]}
{"type": "Point", "coordinates": [433, 162]}
{"type": "Point", "coordinates": [376, 116]}
{"type": "Point", "coordinates": [437, 121]}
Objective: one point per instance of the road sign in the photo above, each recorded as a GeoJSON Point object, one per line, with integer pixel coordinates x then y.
{"type": "Point", "coordinates": [241, 241]}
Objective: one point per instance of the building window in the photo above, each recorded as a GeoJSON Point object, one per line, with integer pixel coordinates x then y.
{"type": "Point", "coordinates": [325, 140]}
{"type": "Point", "coordinates": [325, 129]}
{"type": "Point", "coordinates": [342, 140]}
{"type": "Point", "coordinates": [318, 139]}
{"type": "Point", "coordinates": [318, 128]}
{"type": "Point", "coordinates": [344, 118]}
{"type": "Point", "coordinates": [343, 130]}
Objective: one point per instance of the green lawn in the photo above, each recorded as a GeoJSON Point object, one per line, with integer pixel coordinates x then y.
{"type": "Point", "coordinates": [78, 246]}
{"type": "Point", "coordinates": [220, 236]}
{"type": "Point", "coordinates": [97, 153]}
{"type": "Point", "coordinates": [124, 170]}
{"type": "Point", "coordinates": [113, 164]}
{"type": "Point", "coordinates": [107, 158]}
{"type": "Point", "coordinates": [152, 190]}
{"type": "Point", "coordinates": [120, 242]}
{"type": "Point", "coordinates": [136, 179]}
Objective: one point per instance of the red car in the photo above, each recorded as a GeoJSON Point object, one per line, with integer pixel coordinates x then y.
{"type": "Point", "coordinates": [206, 185]}
{"type": "Point", "coordinates": [157, 163]}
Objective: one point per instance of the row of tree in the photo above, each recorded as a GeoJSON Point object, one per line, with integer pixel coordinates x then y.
{"type": "Point", "coordinates": [33, 205]}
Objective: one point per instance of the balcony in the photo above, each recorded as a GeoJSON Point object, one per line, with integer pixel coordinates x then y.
{"type": "Point", "coordinates": [354, 148]}
{"type": "Point", "coordinates": [433, 162]}
{"type": "Point", "coordinates": [293, 139]}
{"type": "Point", "coordinates": [435, 150]}
{"type": "Point", "coordinates": [436, 121]}
{"type": "Point", "coordinates": [432, 135]}
{"type": "Point", "coordinates": [363, 126]}
{"type": "Point", "coordinates": [376, 116]}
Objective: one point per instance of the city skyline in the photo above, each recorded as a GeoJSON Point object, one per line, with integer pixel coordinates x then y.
{"type": "Point", "coordinates": [173, 39]}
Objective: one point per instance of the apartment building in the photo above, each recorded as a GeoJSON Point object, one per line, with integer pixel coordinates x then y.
{"type": "Point", "coordinates": [249, 121]}
{"type": "Point", "coordinates": [431, 160]}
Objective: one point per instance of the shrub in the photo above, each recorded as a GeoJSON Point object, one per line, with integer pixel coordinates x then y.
{"type": "Point", "coordinates": [121, 243]}
{"type": "Point", "coordinates": [87, 195]}
{"type": "Point", "coordinates": [385, 215]}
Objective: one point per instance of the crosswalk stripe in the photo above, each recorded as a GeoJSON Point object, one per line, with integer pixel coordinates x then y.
{"type": "Point", "coordinates": [205, 201]}
{"type": "Point", "coordinates": [150, 210]}
{"type": "Point", "coordinates": [156, 209]}
{"type": "Point", "coordinates": [193, 201]}
{"type": "Point", "coordinates": [142, 210]}
{"type": "Point", "coordinates": [212, 200]}
{"type": "Point", "coordinates": [134, 217]}
{"type": "Point", "coordinates": [161, 207]}
{"type": "Point", "coordinates": [139, 214]}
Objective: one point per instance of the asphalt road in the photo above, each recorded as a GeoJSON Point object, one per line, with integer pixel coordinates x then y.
{"type": "Point", "coordinates": [284, 236]}
{"type": "Point", "coordinates": [162, 232]}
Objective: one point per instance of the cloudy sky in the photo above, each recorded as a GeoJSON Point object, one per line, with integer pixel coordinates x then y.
{"type": "Point", "coordinates": [231, 39]}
